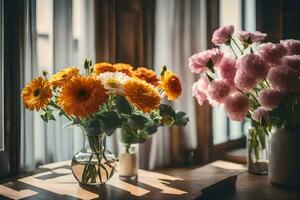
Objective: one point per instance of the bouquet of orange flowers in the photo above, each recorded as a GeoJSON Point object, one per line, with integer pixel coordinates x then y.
{"type": "Point", "coordinates": [106, 97]}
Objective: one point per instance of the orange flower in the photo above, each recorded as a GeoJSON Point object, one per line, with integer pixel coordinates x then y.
{"type": "Point", "coordinates": [37, 94]}
{"type": "Point", "coordinates": [103, 67]}
{"type": "Point", "coordinates": [125, 68]}
{"type": "Point", "coordinates": [82, 96]}
{"type": "Point", "coordinates": [171, 85]}
{"type": "Point", "coordinates": [59, 79]}
{"type": "Point", "coordinates": [142, 94]}
{"type": "Point", "coordinates": [147, 75]}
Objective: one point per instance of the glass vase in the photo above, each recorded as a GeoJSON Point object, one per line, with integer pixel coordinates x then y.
{"type": "Point", "coordinates": [128, 161]}
{"type": "Point", "coordinates": [93, 164]}
{"type": "Point", "coordinates": [257, 152]}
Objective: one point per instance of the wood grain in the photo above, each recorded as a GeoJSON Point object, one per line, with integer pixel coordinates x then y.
{"type": "Point", "coordinates": [55, 181]}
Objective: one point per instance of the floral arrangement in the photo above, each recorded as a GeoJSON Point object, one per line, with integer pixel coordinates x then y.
{"type": "Point", "coordinates": [107, 97]}
{"type": "Point", "coordinates": [258, 81]}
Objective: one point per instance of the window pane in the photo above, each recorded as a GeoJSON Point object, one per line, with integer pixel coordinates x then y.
{"type": "Point", "coordinates": [44, 25]}
{"type": "Point", "coordinates": [44, 16]}
{"type": "Point", "coordinates": [44, 54]}
{"type": "Point", "coordinates": [1, 79]}
{"type": "Point", "coordinates": [219, 126]}
{"type": "Point", "coordinates": [231, 14]}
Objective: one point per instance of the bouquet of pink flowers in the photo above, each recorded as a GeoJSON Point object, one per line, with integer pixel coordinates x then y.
{"type": "Point", "coordinates": [259, 81]}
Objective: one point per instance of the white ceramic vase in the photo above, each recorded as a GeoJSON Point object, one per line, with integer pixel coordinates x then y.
{"type": "Point", "coordinates": [284, 158]}
{"type": "Point", "coordinates": [128, 161]}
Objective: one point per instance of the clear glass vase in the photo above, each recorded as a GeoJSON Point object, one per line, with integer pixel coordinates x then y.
{"type": "Point", "coordinates": [128, 161]}
{"type": "Point", "coordinates": [257, 147]}
{"type": "Point", "coordinates": [93, 164]}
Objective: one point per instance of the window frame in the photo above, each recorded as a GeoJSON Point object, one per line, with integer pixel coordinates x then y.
{"type": "Point", "coordinates": [14, 12]}
{"type": "Point", "coordinates": [207, 151]}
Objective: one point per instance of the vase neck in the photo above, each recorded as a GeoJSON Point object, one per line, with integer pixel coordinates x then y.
{"type": "Point", "coordinates": [95, 144]}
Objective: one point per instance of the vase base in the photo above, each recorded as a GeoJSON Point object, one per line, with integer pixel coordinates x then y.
{"type": "Point", "coordinates": [258, 168]}
{"type": "Point", "coordinates": [128, 178]}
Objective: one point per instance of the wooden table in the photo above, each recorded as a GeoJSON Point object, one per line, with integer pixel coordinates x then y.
{"type": "Point", "coordinates": [55, 181]}
{"type": "Point", "coordinates": [252, 187]}
{"type": "Point", "coordinates": [213, 181]}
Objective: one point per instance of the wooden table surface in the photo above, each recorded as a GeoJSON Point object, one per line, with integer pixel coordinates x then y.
{"type": "Point", "coordinates": [213, 181]}
{"type": "Point", "coordinates": [253, 187]}
{"type": "Point", "coordinates": [55, 181]}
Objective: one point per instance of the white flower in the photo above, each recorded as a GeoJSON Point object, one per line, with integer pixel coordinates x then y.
{"type": "Point", "coordinates": [114, 82]}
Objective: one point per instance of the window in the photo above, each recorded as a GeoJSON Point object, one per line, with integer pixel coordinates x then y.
{"type": "Point", "coordinates": [44, 26]}
{"type": "Point", "coordinates": [62, 36]}
{"type": "Point", "coordinates": [233, 13]}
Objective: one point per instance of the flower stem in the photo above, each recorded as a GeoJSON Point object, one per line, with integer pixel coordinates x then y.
{"type": "Point", "coordinates": [233, 51]}
{"type": "Point", "coordinates": [237, 45]}
{"type": "Point", "coordinates": [52, 103]}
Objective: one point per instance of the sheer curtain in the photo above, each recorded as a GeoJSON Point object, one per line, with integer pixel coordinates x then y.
{"type": "Point", "coordinates": [59, 33]}
{"type": "Point", "coordinates": [180, 31]}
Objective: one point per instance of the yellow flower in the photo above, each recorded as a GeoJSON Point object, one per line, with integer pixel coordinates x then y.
{"type": "Point", "coordinates": [125, 68]}
{"type": "Point", "coordinates": [147, 75]}
{"type": "Point", "coordinates": [59, 79]}
{"type": "Point", "coordinates": [37, 94]}
{"type": "Point", "coordinates": [142, 94]}
{"type": "Point", "coordinates": [103, 67]}
{"type": "Point", "coordinates": [171, 84]}
{"type": "Point", "coordinates": [82, 96]}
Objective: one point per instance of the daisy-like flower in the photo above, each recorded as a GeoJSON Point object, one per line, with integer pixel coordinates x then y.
{"type": "Point", "coordinates": [147, 75]}
{"type": "Point", "coordinates": [59, 79]}
{"type": "Point", "coordinates": [114, 82]}
{"type": "Point", "coordinates": [82, 96]}
{"type": "Point", "coordinates": [103, 67]}
{"type": "Point", "coordinates": [171, 85]}
{"type": "Point", "coordinates": [123, 67]}
{"type": "Point", "coordinates": [37, 94]}
{"type": "Point", "coordinates": [142, 94]}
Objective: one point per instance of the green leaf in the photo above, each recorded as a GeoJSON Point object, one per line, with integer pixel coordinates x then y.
{"type": "Point", "coordinates": [44, 117]}
{"type": "Point", "coordinates": [137, 121]}
{"type": "Point", "coordinates": [129, 136]}
{"type": "Point", "coordinates": [110, 122]}
{"type": "Point", "coordinates": [93, 127]}
{"type": "Point", "coordinates": [165, 109]}
{"type": "Point", "coordinates": [151, 129]}
{"type": "Point", "coordinates": [210, 65]}
{"type": "Point", "coordinates": [143, 136]}
{"type": "Point", "coordinates": [122, 105]}
{"type": "Point", "coordinates": [181, 119]}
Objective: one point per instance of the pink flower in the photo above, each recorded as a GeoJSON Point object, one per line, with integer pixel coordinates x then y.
{"type": "Point", "coordinates": [227, 70]}
{"type": "Point", "coordinates": [292, 61]}
{"type": "Point", "coordinates": [243, 81]}
{"type": "Point", "coordinates": [252, 66]}
{"type": "Point", "coordinates": [205, 60]}
{"type": "Point", "coordinates": [237, 106]}
{"type": "Point", "coordinates": [222, 35]}
{"type": "Point", "coordinates": [260, 113]}
{"type": "Point", "coordinates": [251, 37]}
{"type": "Point", "coordinates": [270, 98]}
{"type": "Point", "coordinates": [199, 90]}
{"type": "Point", "coordinates": [217, 91]}
{"type": "Point", "coordinates": [292, 46]}
{"type": "Point", "coordinates": [282, 78]}
{"type": "Point", "coordinates": [272, 53]}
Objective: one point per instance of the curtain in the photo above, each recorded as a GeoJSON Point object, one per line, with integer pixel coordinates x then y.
{"type": "Point", "coordinates": [180, 31]}
{"type": "Point", "coordinates": [70, 43]}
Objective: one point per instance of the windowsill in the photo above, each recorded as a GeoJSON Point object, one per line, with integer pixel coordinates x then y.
{"type": "Point", "coordinates": [237, 155]}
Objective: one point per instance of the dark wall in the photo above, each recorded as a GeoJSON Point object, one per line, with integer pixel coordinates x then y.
{"type": "Point", "coordinates": [280, 19]}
